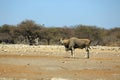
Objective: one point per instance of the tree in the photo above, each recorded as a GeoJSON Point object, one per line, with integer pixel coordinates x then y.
{"type": "Point", "coordinates": [29, 29]}
{"type": "Point", "coordinates": [112, 37]}
{"type": "Point", "coordinates": [91, 32]}
{"type": "Point", "coordinates": [6, 33]}
{"type": "Point", "coordinates": [30, 32]}
{"type": "Point", "coordinates": [47, 33]}
{"type": "Point", "coordinates": [5, 28]}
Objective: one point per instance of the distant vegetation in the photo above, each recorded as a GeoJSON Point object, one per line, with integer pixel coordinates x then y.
{"type": "Point", "coordinates": [28, 32]}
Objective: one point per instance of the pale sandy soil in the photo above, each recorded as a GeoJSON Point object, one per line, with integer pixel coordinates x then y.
{"type": "Point", "coordinates": [24, 62]}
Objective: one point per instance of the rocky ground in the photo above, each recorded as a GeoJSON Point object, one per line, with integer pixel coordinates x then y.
{"type": "Point", "coordinates": [24, 62]}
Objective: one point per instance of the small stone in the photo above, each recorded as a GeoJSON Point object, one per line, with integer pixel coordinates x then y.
{"type": "Point", "coordinates": [63, 62]}
{"type": "Point", "coordinates": [100, 61]}
{"type": "Point", "coordinates": [28, 64]}
{"type": "Point", "coordinates": [21, 54]}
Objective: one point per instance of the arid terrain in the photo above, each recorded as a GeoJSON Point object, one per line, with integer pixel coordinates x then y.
{"type": "Point", "coordinates": [43, 62]}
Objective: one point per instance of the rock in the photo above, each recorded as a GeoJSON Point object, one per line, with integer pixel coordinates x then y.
{"type": "Point", "coordinates": [63, 62]}
{"type": "Point", "coordinates": [28, 64]}
{"type": "Point", "coordinates": [21, 54]}
{"type": "Point", "coordinates": [58, 79]}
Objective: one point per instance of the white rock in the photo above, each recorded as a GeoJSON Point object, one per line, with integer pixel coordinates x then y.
{"type": "Point", "coordinates": [58, 79]}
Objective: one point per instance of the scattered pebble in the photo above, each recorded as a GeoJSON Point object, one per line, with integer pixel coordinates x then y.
{"type": "Point", "coordinates": [28, 64]}
{"type": "Point", "coordinates": [63, 62]}
{"type": "Point", "coordinates": [58, 79]}
{"type": "Point", "coordinates": [3, 78]}
{"type": "Point", "coordinates": [100, 62]}
{"type": "Point", "coordinates": [21, 54]}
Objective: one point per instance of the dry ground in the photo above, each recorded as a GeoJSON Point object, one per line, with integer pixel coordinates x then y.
{"type": "Point", "coordinates": [24, 62]}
